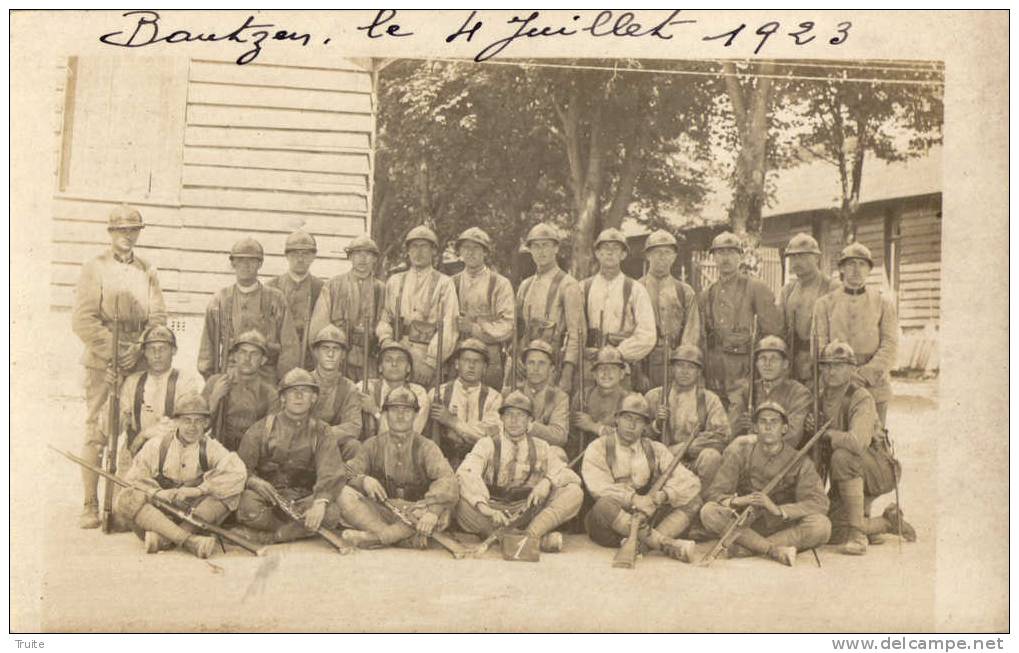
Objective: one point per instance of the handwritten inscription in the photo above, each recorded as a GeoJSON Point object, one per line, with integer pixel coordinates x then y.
{"type": "Point", "coordinates": [496, 37]}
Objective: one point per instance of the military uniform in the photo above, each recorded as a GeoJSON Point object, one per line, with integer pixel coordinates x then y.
{"type": "Point", "coordinates": [865, 318]}
{"type": "Point", "coordinates": [796, 303]}
{"type": "Point", "coordinates": [728, 307]}
{"type": "Point", "coordinates": [249, 399]}
{"type": "Point", "coordinates": [339, 406]}
{"type": "Point", "coordinates": [677, 315]}
{"type": "Point", "coordinates": [615, 472]}
{"type": "Point", "coordinates": [792, 396]}
{"type": "Point", "coordinates": [168, 462]}
{"type": "Point", "coordinates": [476, 407]}
{"type": "Point", "coordinates": [111, 286]}
{"type": "Point", "coordinates": [696, 413]}
{"type": "Point", "coordinates": [551, 406]}
{"type": "Point", "coordinates": [234, 310]}
{"type": "Point", "coordinates": [549, 307]}
{"type": "Point", "coordinates": [413, 472]}
{"type": "Point", "coordinates": [601, 404]}
{"type": "Point", "coordinates": [502, 471]}
{"type": "Point", "coordinates": [345, 301]}
{"type": "Point", "coordinates": [416, 300]}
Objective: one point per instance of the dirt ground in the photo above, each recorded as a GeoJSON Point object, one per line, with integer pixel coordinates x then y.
{"type": "Point", "coordinates": [94, 582]}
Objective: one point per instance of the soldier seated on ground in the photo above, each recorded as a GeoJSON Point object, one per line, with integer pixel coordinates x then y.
{"type": "Point", "coordinates": [773, 383]}
{"type": "Point", "coordinates": [404, 468]}
{"type": "Point", "coordinates": [551, 418]}
{"type": "Point", "coordinates": [620, 467]}
{"type": "Point", "coordinates": [241, 396]}
{"type": "Point", "coordinates": [338, 403]}
{"type": "Point", "coordinates": [858, 456]}
{"type": "Point", "coordinates": [290, 456]}
{"type": "Point", "coordinates": [693, 414]}
{"type": "Point", "coordinates": [790, 519]}
{"type": "Point", "coordinates": [396, 367]}
{"type": "Point", "coordinates": [468, 409]}
{"type": "Point", "coordinates": [517, 480]}
{"type": "Point", "coordinates": [187, 469]}
{"type": "Point", "coordinates": [603, 399]}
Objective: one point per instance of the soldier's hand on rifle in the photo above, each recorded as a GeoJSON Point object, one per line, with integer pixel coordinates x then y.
{"type": "Point", "coordinates": [539, 493]}
{"type": "Point", "coordinates": [566, 379]}
{"type": "Point", "coordinates": [809, 426]}
{"type": "Point", "coordinates": [742, 502]}
{"type": "Point", "coordinates": [644, 504]}
{"type": "Point", "coordinates": [427, 523]}
{"type": "Point", "coordinates": [442, 415]}
{"type": "Point", "coordinates": [662, 414]}
{"type": "Point", "coordinates": [167, 495]}
{"type": "Point", "coordinates": [313, 518]}
{"type": "Point", "coordinates": [762, 500]}
{"type": "Point", "coordinates": [367, 403]}
{"type": "Point", "coordinates": [220, 388]}
{"type": "Point", "coordinates": [127, 358]}
{"type": "Point", "coordinates": [262, 488]}
{"type": "Point", "coordinates": [374, 489]}
{"type": "Point", "coordinates": [584, 422]}
{"type": "Point", "coordinates": [186, 493]}
{"type": "Point", "coordinates": [744, 424]}
{"type": "Point", "coordinates": [498, 516]}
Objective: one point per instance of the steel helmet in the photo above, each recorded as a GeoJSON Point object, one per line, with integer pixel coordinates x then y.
{"type": "Point", "coordinates": [390, 344]}
{"type": "Point", "coordinates": [401, 396]}
{"type": "Point", "coordinates": [772, 405]}
{"type": "Point", "coordinates": [635, 403]}
{"type": "Point", "coordinates": [726, 240]}
{"type": "Point", "coordinates": [661, 238]}
{"type": "Point", "coordinates": [475, 235]}
{"type": "Point", "coordinates": [363, 242]}
{"type": "Point", "coordinates": [856, 250]}
{"type": "Point", "coordinates": [771, 343]}
{"type": "Point", "coordinates": [421, 232]}
{"type": "Point", "coordinates": [331, 333]}
{"type": "Point", "coordinates": [247, 248]}
{"type": "Point", "coordinates": [542, 231]}
{"type": "Point", "coordinates": [297, 378]}
{"type": "Point", "coordinates": [837, 352]}
{"type": "Point", "coordinates": [612, 235]}
{"type": "Point", "coordinates": [124, 217]}
{"type": "Point", "coordinates": [539, 345]}
{"type": "Point", "coordinates": [159, 333]}
{"type": "Point", "coordinates": [609, 355]}
{"type": "Point", "coordinates": [472, 344]}
{"type": "Point", "coordinates": [802, 244]}
{"type": "Point", "coordinates": [250, 337]}
{"type": "Point", "coordinates": [300, 241]}
{"type": "Point", "coordinates": [688, 353]}
{"type": "Point", "coordinates": [518, 399]}
{"type": "Point", "coordinates": [191, 403]}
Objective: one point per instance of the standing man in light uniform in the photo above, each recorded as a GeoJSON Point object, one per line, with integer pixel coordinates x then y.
{"type": "Point", "coordinates": [486, 301]}
{"type": "Point", "coordinates": [300, 289]}
{"type": "Point", "coordinates": [416, 300]}
{"type": "Point", "coordinates": [618, 304]}
{"type": "Point", "coordinates": [347, 298]}
{"type": "Point", "coordinates": [115, 284]}
{"type": "Point", "coordinates": [866, 319]}
{"type": "Point", "coordinates": [797, 301]}
{"type": "Point", "coordinates": [549, 305]}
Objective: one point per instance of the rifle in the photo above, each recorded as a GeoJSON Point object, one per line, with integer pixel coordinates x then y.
{"type": "Point", "coordinates": [815, 354]}
{"type": "Point", "coordinates": [497, 533]}
{"type": "Point", "coordinates": [448, 542]}
{"type": "Point", "coordinates": [436, 433]}
{"type": "Point", "coordinates": [753, 368]}
{"type": "Point", "coordinates": [666, 388]}
{"type": "Point", "coordinates": [113, 437]}
{"type": "Point", "coordinates": [602, 339]}
{"type": "Point", "coordinates": [731, 533]}
{"type": "Point", "coordinates": [515, 353]}
{"type": "Point", "coordinates": [166, 506]}
{"type": "Point", "coordinates": [346, 359]}
{"type": "Point", "coordinates": [290, 511]}
{"type": "Point", "coordinates": [626, 556]}
{"type": "Point", "coordinates": [365, 345]}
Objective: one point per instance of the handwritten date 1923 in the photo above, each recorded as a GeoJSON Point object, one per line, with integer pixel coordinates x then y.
{"type": "Point", "coordinates": [147, 32]}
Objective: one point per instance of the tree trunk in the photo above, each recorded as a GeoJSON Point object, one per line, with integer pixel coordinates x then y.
{"type": "Point", "coordinates": [751, 165]}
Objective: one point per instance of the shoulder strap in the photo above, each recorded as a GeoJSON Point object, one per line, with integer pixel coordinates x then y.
{"type": "Point", "coordinates": [491, 291]}
{"type": "Point", "coordinates": [610, 455]}
{"type": "Point", "coordinates": [136, 408]}
{"type": "Point", "coordinates": [164, 447]}
{"type": "Point", "coordinates": [649, 453]}
{"type": "Point", "coordinates": [702, 408]}
{"type": "Point", "coordinates": [627, 291]}
{"type": "Point", "coordinates": [447, 394]}
{"type": "Point", "coordinates": [378, 393]}
{"type": "Point", "coordinates": [482, 397]}
{"type": "Point", "coordinates": [270, 421]}
{"type": "Point", "coordinates": [458, 285]}
{"type": "Point", "coordinates": [398, 315]}
{"type": "Point", "coordinates": [496, 461]}
{"type": "Point", "coordinates": [203, 457]}
{"type": "Point", "coordinates": [546, 409]}
{"type": "Point", "coordinates": [586, 288]}
{"type": "Point", "coordinates": [524, 291]}
{"type": "Point", "coordinates": [171, 393]}
{"type": "Point", "coordinates": [532, 458]}
{"type": "Point", "coordinates": [553, 292]}
{"type": "Point", "coordinates": [416, 457]}
{"type": "Point", "coordinates": [844, 407]}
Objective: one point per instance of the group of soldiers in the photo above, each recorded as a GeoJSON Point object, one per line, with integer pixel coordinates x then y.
{"type": "Point", "coordinates": [389, 412]}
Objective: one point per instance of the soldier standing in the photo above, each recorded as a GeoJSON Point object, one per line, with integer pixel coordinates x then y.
{"type": "Point", "coordinates": [347, 299]}
{"type": "Point", "coordinates": [866, 319]}
{"type": "Point", "coordinates": [300, 289]}
{"type": "Point", "coordinates": [861, 467]}
{"type": "Point", "coordinates": [401, 466]}
{"type": "Point", "coordinates": [516, 472]}
{"type": "Point", "coordinates": [551, 406]}
{"type": "Point", "coordinates": [677, 314]}
{"type": "Point", "coordinates": [486, 301]}
{"type": "Point", "coordinates": [292, 452]}
{"type": "Point", "coordinates": [396, 367]}
{"type": "Point", "coordinates": [619, 311]}
{"type": "Point", "coordinates": [468, 409]}
{"type": "Point", "coordinates": [797, 300]}
{"type": "Point", "coordinates": [772, 384]}
{"type": "Point", "coordinates": [790, 519]}
{"type": "Point", "coordinates": [240, 396]}
{"type": "Point", "coordinates": [246, 305]}
{"type": "Point", "coordinates": [549, 305]}
{"type": "Point", "coordinates": [416, 300]}
{"type": "Point", "coordinates": [147, 398]}
{"type": "Point", "coordinates": [728, 307]}
{"type": "Point", "coordinates": [339, 401]}
{"type": "Point", "coordinates": [620, 467]}
{"type": "Point", "coordinates": [692, 414]}
{"type": "Point", "coordinates": [187, 469]}
{"type": "Point", "coordinates": [116, 285]}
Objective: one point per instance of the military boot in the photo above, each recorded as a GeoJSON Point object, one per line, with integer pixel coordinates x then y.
{"type": "Point", "coordinates": [856, 545]}
{"type": "Point", "coordinates": [894, 516]}
{"type": "Point", "coordinates": [551, 542]}
{"type": "Point", "coordinates": [784, 554]}
{"type": "Point", "coordinates": [200, 545]}
{"type": "Point", "coordinates": [89, 517]}
{"type": "Point", "coordinates": [678, 549]}
{"type": "Point", "coordinates": [154, 542]}
{"type": "Point", "coordinates": [360, 539]}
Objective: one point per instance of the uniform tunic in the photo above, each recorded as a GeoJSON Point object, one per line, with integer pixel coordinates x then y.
{"type": "Point", "coordinates": [728, 307]}
{"type": "Point", "coordinates": [550, 307]}
{"type": "Point", "coordinates": [301, 295]}
{"type": "Point", "coordinates": [224, 480]}
{"type": "Point", "coordinates": [868, 322]}
{"type": "Point", "coordinates": [152, 410]}
{"type": "Point", "coordinates": [482, 419]}
{"type": "Point", "coordinates": [424, 298]}
{"type": "Point", "coordinates": [299, 457]}
{"type": "Point", "coordinates": [395, 458]}
{"type": "Point", "coordinates": [632, 472]}
{"type": "Point", "coordinates": [231, 312]}
{"type": "Point", "coordinates": [346, 299]}
{"type": "Point", "coordinates": [338, 406]}
{"type": "Point", "coordinates": [478, 476]}
{"type": "Point", "coordinates": [632, 325]}
{"type": "Point", "coordinates": [487, 298]}
{"type": "Point", "coordinates": [677, 314]}
{"type": "Point", "coordinates": [685, 423]}
{"type": "Point", "coordinates": [796, 302]}
{"type": "Point", "coordinates": [247, 401]}
{"type": "Point", "coordinates": [379, 389]}
{"type": "Point", "coordinates": [551, 405]}
{"type": "Point", "coordinates": [788, 394]}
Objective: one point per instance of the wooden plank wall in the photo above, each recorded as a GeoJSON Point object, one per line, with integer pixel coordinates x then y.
{"type": "Point", "coordinates": [261, 150]}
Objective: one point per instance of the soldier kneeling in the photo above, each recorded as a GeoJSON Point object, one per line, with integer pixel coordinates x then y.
{"type": "Point", "coordinates": [404, 469]}
{"type": "Point", "coordinates": [518, 474]}
{"type": "Point", "coordinates": [188, 469]}
{"type": "Point", "coordinates": [791, 519]}
{"type": "Point", "coordinates": [619, 469]}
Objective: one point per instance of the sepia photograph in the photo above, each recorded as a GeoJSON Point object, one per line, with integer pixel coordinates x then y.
{"type": "Point", "coordinates": [483, 341]}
